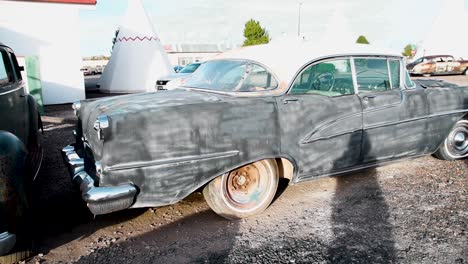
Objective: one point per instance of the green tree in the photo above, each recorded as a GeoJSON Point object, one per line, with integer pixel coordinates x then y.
{"type": "Point", "coordinates": [362, 40]}
{"type": "Point", "coordinates": [408, 51]}
{"type": "Point", "coordinates": [254, 34]}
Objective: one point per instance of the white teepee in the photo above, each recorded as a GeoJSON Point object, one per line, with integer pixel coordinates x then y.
{"type": "Point", "coordinates": [446, 35]}
{"type": "Point", "coordinates": [138, 58]}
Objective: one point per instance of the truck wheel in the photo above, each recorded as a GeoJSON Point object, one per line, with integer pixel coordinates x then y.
{"type": "Point", "coordinates": [455, 146]}
{"type": "Point", "coordinates": [243, 192]}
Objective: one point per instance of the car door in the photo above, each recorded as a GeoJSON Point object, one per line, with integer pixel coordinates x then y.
{"type": "Point", "coordinates": [453, 66]}
{"type": "Point", "coordinates": [13, 103]}
{"type": "Point", "coordinates": [440, 65]}
{"type": "Point", "coordinates": [321, 119]}
{"type": "Point", "coordinates": [394, 120]}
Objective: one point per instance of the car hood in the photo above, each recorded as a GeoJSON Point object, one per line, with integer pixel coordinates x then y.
{"type": "Point", "coordinates": [134, 106]}
{"type": "Point", "coordinates": [143, 102]}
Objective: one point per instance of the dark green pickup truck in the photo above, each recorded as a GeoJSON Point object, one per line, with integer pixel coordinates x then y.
{"type": "Point", "coordinates": [20, 149]}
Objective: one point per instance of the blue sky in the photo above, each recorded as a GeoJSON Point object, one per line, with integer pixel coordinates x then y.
{"type": "Point", "coordinates": [389, 23]}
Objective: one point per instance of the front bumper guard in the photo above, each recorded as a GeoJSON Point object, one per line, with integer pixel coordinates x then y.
{"type": "Point", "coordinates": [100, 200]}
{"type": "Point", "coordinates": [7, 241]}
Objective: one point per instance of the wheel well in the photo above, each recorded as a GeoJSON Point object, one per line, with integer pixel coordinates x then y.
{"type": "Point", "coordinates": [285, 168]}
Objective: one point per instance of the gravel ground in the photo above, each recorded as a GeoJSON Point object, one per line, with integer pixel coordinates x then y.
{"type": "Point", "coordinates": [415, 211]}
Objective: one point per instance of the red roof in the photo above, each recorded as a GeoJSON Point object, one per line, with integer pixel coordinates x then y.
{"type": "Point", "coordinates": [80, 2]}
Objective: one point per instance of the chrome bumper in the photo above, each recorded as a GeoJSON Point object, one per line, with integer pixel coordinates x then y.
{"type": "Point", "coordinates": [100, 200]}
{"type": "Point", "coordinates": [7, 241]}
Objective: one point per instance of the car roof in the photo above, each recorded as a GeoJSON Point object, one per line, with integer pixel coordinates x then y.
{"type": "Point", "coordinates": [285, 58]}
{"type": "Point", "coordinates": [436, 56]}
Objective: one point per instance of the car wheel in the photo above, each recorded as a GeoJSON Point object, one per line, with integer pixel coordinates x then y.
{"type": "Point", "coordinates": [16, 257]}
{"type": "Point", "coordinates": [466, 72]}
{"type": "Point", "coordinates": [243, 192]}
{"type": "Point", "coordinates": [455, 146]}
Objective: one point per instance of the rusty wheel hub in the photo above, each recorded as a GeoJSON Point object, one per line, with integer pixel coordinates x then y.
{"type": "Point", "coordinates": [244, 185]}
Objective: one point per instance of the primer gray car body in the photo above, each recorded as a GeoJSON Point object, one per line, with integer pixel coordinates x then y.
{"type": "Point", "coordinates": [160, 147]}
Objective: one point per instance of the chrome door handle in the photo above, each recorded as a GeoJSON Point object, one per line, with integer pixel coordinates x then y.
{"type": "Point", "coordinates": [367, 97]}
{"type": "Point", "coordinates": [287, 100]}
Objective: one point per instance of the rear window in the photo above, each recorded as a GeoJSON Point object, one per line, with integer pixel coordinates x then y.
{"type": "Point", "coordinates": [372, 75]}
{"type": "Point", "coordinates": [395, 73]}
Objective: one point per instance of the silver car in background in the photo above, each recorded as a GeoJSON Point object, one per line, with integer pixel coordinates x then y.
{"type": "Point", "coordinates": [176, 79]}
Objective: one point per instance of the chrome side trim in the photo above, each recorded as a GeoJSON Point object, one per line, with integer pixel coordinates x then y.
{"type": "Point", "coordinates": [7, 241]}
{"type": "Point", "coordinates": [171, 161]}
{"type": "Point", "coordinates": [309, 138]}
{"type": "Point", "coordinates": [12, 91]}
{"type": "Point", "coordinates": [416, 119]}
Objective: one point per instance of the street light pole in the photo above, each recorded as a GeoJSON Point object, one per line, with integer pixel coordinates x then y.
{"type": "Point", "coordinates": [299, 21]}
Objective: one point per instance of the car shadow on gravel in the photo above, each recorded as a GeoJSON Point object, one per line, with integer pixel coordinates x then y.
{"type": "Point", "coordinates": [203, 237]}
{"type": "Point", "coordinates": [360, 217]}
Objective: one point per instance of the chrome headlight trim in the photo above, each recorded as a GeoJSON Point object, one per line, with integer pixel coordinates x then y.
{"type": "Point", "coordinates": [101, 123]}
{"type": "Point", "coordinates": [76, 107]}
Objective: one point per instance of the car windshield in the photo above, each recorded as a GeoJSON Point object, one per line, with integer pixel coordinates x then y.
{"type": "Point", "coordinates": [419, 60]}
{"type": "Point", "coordinates": [190, 68]}
{"type": "Point", "coordinates": [232, 76]}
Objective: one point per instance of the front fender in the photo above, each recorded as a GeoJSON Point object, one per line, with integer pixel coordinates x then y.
{"type": "Point", "coordinates": [12, 163]}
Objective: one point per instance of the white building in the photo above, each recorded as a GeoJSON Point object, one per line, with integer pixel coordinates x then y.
{"type": "Point", "coordinates": [183, 54]}
{"type": "Point", "coordinates": [48, 29]}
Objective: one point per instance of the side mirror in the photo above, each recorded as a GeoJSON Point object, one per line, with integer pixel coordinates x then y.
{"type": "Point", "coordinates": [21, 68]}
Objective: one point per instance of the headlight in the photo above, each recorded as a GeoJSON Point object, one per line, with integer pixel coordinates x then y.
{"type": "Point", "coordinates": [76, 107]}
{"type": "Point", "coordinates": [101, 123]}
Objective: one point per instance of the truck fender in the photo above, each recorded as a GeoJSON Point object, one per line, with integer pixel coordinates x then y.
{"type": "Point", "coordinates": [35, 120]}
{"type": "Point", "coordinates": [12, 163]}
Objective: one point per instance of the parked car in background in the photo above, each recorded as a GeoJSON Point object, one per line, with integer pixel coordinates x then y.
{"type": "Point", "coordinates": [177, 68]}
{"type": "Point", "coordinates": [176, 79]}
{"type": "Point", "coordinates": [99, 69]}
{"type": "Point", "coordinates": [254, 115]}
{"type": "Point", "coordinates": [86, 71]}
{"type": "Point", "coordinates": [20, 151]}
{"type": "Point", "coordinates": [437, 65]}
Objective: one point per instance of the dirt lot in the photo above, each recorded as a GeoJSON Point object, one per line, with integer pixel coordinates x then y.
{"type": "Point", "coordinates": [415, 211]}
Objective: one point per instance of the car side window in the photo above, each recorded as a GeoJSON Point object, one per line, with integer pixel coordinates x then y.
{"type": "Point", "coordinates": [330, 78]}
{"type": "Point", "coordinates": [395, 73]}
{"type": "Point", "coordinates": [408, 82]}
{"type": "Point", "coordinates": [372, 75]}
{"type": "Point", "coordinates": [5, 69]}
{"type": "Point", "coordinates": [258, 79]}
{"type": "Point", "coordinates": [16, 68]}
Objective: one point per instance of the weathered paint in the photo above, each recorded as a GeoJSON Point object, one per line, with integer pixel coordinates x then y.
{"type": "Point", "coordinates": [433, 66]}
{"type": "Point", "coordinates": [170, 143]}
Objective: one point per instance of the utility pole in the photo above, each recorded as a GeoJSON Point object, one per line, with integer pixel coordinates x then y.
{"type": "Point", "coordinates": [299, 21]}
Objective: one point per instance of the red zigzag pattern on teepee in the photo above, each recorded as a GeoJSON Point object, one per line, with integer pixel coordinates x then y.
{"type": "Point", "coordinates": [126, 39]}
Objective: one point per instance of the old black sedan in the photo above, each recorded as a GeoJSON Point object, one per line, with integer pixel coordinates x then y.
{"type": "Point", "coordinates": [20, 153]}
{"type": "Point", "coordinates": [251, 116]}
